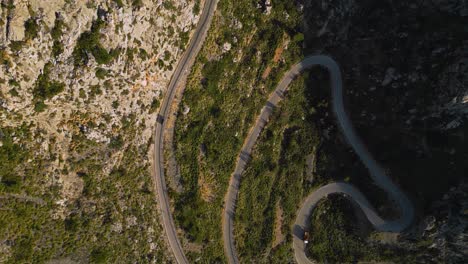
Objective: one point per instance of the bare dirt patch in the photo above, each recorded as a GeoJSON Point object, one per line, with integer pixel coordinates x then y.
{"type": "Point", "coordinates": [278, 52]}
{"type": "Point", "coordinates": [311, 161]}
{"type": "Point", "coordinates": [266, 72]}
{"type": "Point", "coordinates": [205, 183]}
{"type": "Point", "coordinates": [72, 187]}
{"type": "Point", "coordinates": [193, 247]}
{"type": "Point", "coordinates": [22, 197]}
{"type": "Point", "coordinates": [385, 238]}
{"type": "Point", "coordinates": [279, 236]}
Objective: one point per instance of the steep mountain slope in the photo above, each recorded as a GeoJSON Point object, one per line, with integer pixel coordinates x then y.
{"type": "Point", "coordinates": [80, 84]}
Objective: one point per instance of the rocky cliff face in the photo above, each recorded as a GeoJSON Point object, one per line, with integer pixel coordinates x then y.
{"type": "Point", "coordinates": [447, 225]}
{"type": "Point", "coordinates": [141, 42]}
{"type": "Point", "coordinates": [415, 43]}
{"type": "Point", "coordinates": [83, 80]}
{"type": "Point", "coordinates": [441, 235]}
{"type": "Point", "coordinates": [406, 83]}
{"type": "Point", "coordinates": [406, 89]}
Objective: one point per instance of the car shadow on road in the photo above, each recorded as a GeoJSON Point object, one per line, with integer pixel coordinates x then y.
{"type": "Point", "coordinates": [298, 231]}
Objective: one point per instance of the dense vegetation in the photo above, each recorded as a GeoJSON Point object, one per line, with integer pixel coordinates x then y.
{"type": "Point", "coordinates": [45, 88]}
{"type": "Point", "coordinates": [31, 29]}
{"type": "Point", "coordinates": [113, 219]}
{"type": "Point", "coordinates": [224, 93]}
{"type": "Point", "coordinates": [335, 236]}
{"type": "Point", "coordinates": [419, 157]}
{"type": "Point", "coordinates": [56, 34]}
{"type": "Point", "coordinates": [89, 43]}
{"type": "Point", "coordinates": [11, 155]}
{"type": "Point", "coordinates": [276, 180]}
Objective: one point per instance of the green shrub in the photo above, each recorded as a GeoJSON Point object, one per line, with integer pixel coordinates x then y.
{"type": "Point", "coordinates": [31, 29]}
{"type": "Point", "coordinates": [335, 238]}
{"type": "Point", "coordinates": [44, 87]}
{"type": "Point", "coordinates": [88, 43]}
{"type": "Point", "coordinates": [167, 55]}
{"type": "Point", "coordinates": [82, 93]}
{"type": "Point", "coordinates": [13, 82]}
{"type": "Point", "coordinates": [115, 53]}
{"type": "Point", "coordinates": [137, 4]}
{"type": "Point", "coordinates": [56, 34]}
{"type": "Point", "coordinates": [143, 54]}
{"type": "Point", "coordinates": [57, 48]}
{"type": "Point", "coordinates": [299, 37]}
{"type": "Point", "coordinates": [168, 4]}
{"type": "Point", "coordinates": [95, 90]}
{"type": "Point", "coordinates": [101, 55]}
{"type": "Point", "coordinates": [71, 224]}
{"type": "Point", "coordinates": [101, 73]}
{"type": "Point", "coordinates": [130, 54]}
{"type": "Point", "coordinates": [13, 92]}
{"type": "Point", "coordinates": [108, 84]}
{"type": "Point", "coordinates": [16, 46]}
{"type": "Point", "coordinates": [40, 106]}
{"type": "Point", "coordinates": [8, 5]}
{"type": "Point", "coordinates": [196, 7]}
{"type": "Point", "coordinates": [57, 30]}
{"type": "Point", "coordinates": [119, 3]}
{"type": "Point", "coordinates": [184, 39]}
{"type": "Point", "coordinates": [154, 105]}
{"type": "Point", "coordinates": [99, 256]}
{"type": "Point", "coordinates": [23, 250]}
{"type": "Point", "coordinates": [115, 104]}
{"type": "Point", "coordinates": [116, 142]}
{"type": "Point", "coordinates": [11, 155]}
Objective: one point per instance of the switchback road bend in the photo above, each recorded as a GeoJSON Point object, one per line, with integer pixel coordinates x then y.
{"type": "Point", "coordinates": [376, 171]}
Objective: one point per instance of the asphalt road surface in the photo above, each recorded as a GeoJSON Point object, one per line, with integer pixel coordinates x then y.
{"type": "Point", "coordinates": [376, 171]}
{"type": "Point", "coordinates": [179, 75]}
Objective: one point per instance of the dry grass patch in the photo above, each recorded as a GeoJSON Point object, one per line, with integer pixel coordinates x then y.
{"type": "Point", "coordinates": [279, 236]}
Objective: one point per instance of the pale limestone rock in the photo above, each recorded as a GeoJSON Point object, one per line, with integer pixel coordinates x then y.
{"type": "Point", "coordinates": [46, 9]}
{"type": "Point", "coordinates": [227, 47]}
{"type": "Point", "coordinates": [132, 83]}
{"type": "Point", "coordinates": [19, 15]}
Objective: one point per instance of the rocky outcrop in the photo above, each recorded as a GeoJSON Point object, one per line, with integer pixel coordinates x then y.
{"type": "Point", "coordinates": [419, 52]}
{"type": "Point", "coordinates": [143, 43]}
{"type": "Point", "coordinates": [443, 229]}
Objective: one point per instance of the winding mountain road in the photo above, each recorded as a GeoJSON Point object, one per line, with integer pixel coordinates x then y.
{"type": "Point", "coordinates": [179, 76]}
{"type": "Point", "coordinates": [376, 171]}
